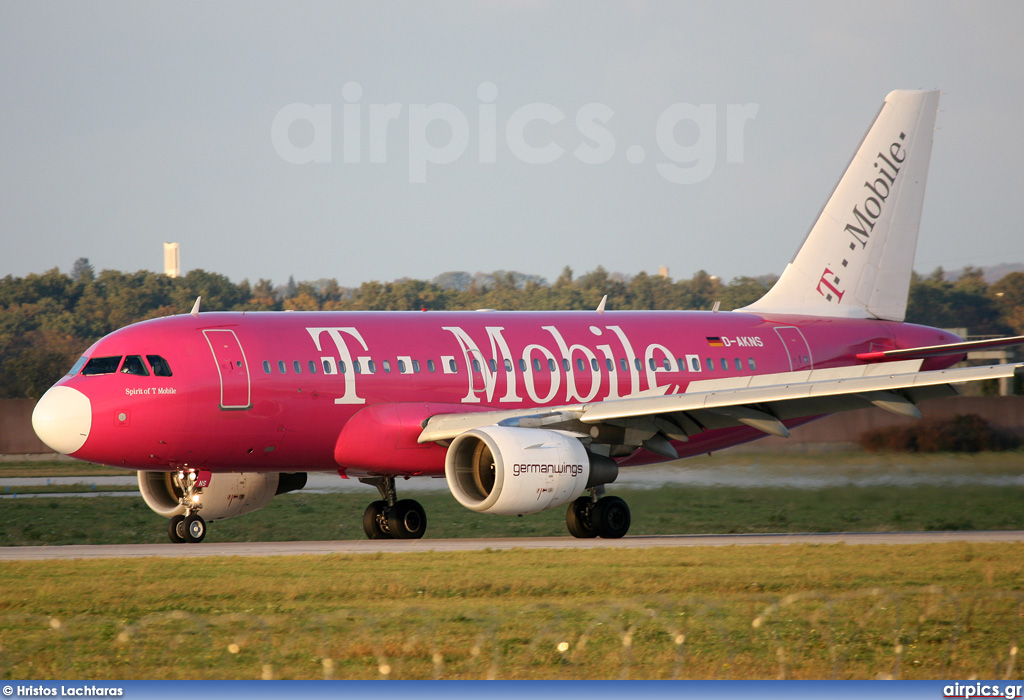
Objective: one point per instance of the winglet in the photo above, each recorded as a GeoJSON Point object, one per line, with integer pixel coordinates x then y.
{"type": "Point", "coordinates": [195, 307]}
{"type": "Point", "coordinates": [600, 307]}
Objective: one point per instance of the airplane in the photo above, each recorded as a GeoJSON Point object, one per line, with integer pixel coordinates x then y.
{"type": "Point", "coordinates": [520, 412]}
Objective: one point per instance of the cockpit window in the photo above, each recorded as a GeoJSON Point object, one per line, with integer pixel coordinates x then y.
{"type": "Point", "coordinates": [78, 366]}
{"type": "Point", "coordinates": [159, 365]}
{"type": "Point", "coordinates": [133, 365]}
{"type": "Point", "coordinates": [102, 365]}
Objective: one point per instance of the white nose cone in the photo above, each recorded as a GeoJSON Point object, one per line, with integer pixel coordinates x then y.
{"type": "Point", "coordinates": [62, 419]}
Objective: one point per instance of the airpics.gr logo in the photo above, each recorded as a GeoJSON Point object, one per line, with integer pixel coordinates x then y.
{"type": "Point", "coordinates": [866, 213]}
{"type": "Point", "coordinates": [573, 469]}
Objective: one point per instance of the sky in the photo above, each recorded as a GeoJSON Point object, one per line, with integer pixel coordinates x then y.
{"type": "Point", "coordinates": [374, 141]}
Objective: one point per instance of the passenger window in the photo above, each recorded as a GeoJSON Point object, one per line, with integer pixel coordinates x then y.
{"type": "Point", "coordinates": [608, 364]}
{"type": "Point", "coordinates": [493, 365]}
{"type": "Point", "coordinates": [508, 365]}
{"type": "Point", "coordinates": [522, 365]}
{"type": "Point", "coordinates": [751, 364]}
{"type": "Point", "coordinates": [266, 366]}
{"type": "Point", "coordinates": [738, 363]}
{"type": "Point", "coordinates": [371, 366]}
{"type": "Point", "coordinates": [476, 365]}
{"type": "Point", "coordinates": [551, 365]}
{"type": "Point", "coordinates": [711, 365]}
{"type": "Point", "coordinates": [536, 365]}
{"type": "Point", "coordinates": [579, 364]}
{"type": "Point", "coordinates": [696, 364]}
{"type": "Point", "coordinates": [280, 367]}
{"type": "Point", "coordinates": [667, 365]}
{"type": "Point", "coordinates": [651, 363]}
{"type": "Point", "coordinates": [312, 367]}
{"type": "Point", "coordinates": [341, 367]}
{"type": "Point", "coordinates": [401, 366]}
{"type": "Point", "coordinates": [358, 368]}
{"type": "Point", "coordinates": [386, 364]}
{"type": "Point", "coordinates": [297, 367]}
{"type": "Point", "coordinates": [451, 366]}
{"type": "Point", "coordinates": [622, 364]}
{"type": "Point", "coordinates": [328, 366]}
{"type": "Point", "coordinates": [725, 364]}
{"type": "Point", "coordinates": [101, 365]}
{"type": "Point", "coordinates": [639, 365]}
{"type": "Point", "coordinates": [133, 365]}
{"type": "Point", "coordinates": [593, 364]}
{"type": "Point", "coordinates": [416, 366]}
{"type": "Point", "coordinates": [430, 366]}
{"type": "Point", "coordinates": [680, 365]}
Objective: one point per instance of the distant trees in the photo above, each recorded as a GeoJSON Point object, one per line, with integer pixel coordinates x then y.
{"type": "Point", "coordinates": [47, 320]}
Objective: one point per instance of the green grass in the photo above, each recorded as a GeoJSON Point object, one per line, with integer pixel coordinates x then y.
{"type": "Point", "coordinates": [668, 510]}
{"type": "Point", "coordinates": [47, 468]}
{"type": "Point", "coordinates": [797, 611]}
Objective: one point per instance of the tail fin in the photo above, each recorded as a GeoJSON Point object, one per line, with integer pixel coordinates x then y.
{"type": "Point", "coordinates": [857, 260]}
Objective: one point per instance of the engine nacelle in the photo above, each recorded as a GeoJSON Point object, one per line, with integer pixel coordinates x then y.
{"type": "Point", "coordinates": [513, 471]}
{"type": "Point", "coordinates": [227, 496]}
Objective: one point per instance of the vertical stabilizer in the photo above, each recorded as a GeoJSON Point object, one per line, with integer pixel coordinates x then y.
{"type": "Point", "coordinates": [857, 260]}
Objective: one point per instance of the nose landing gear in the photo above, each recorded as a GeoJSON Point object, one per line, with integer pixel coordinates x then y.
{"type": "Point", "coordinates": [189, 527]}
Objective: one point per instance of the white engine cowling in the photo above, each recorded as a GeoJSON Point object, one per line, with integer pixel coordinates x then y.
{"type": "Point", "coordinates": [513, 471]}
{"type": "Point", "coordinates": [227, 496]}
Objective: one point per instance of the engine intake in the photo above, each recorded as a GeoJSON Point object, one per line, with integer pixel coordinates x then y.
{"type": "Point", "coordinates": [513, 471]}
{"type": "Point", "coordinates": [227, 496]}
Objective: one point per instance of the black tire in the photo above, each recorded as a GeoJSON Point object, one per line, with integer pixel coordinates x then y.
{"type": "Point", "coordinates": [176, 529]}
{"type": "Point", "coordinates": [407, 520]}
{"type": "Point", "coordinates": [577, 518]}
{"type": "Point", "coordinates": [195, 529]}
{"type": "Point", "coordinates": [610, 517]}
{"type": "Point", "coordinates": [372, 517]}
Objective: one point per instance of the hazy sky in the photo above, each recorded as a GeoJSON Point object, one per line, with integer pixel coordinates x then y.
{"type": "Point", "coordinates": [379, 140]}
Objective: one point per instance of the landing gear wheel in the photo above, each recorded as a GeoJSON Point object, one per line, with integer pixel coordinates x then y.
{"type": "Point", "coordinates": [195, 528]}
{"type": "Point", "coordinates": [407, 520]}
{"type": "Point", "coordinates": [610, 517]}
{"type": "Point", "coordinates": [373, 518]}
{"type": "Point", "coordinates": [176, 529]}
{"type": "Point", "coordinates": [577, 518]}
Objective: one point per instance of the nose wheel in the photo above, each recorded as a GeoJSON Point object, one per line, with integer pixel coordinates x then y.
{"type": "Point", "coordinates": [390, 518]}
{"type": "Point", "coordinates": [189, 527]}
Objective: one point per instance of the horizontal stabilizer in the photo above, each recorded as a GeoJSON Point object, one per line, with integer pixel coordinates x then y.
{"type": "Point", "coordinates": [940, 350]}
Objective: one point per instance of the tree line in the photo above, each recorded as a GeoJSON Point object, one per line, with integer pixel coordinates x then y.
{"type": "Point", "coordinates": [48, 320]}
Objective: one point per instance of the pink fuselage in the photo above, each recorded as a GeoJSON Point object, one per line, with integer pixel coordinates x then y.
{"type": "Point", "coordinates": [280, 391]}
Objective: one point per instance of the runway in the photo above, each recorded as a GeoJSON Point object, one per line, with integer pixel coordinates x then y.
{"type": "Point", "coordinates": [350, 547]}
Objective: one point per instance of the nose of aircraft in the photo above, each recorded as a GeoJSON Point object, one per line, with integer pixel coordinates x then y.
{"type": "Point", "coordinates": [62, 419]}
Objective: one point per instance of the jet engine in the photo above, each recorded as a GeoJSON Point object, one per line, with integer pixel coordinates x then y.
{"type": "Point", "coordinates": [227, 496]}
{"type": "Point", "coordinates": [513, 471]}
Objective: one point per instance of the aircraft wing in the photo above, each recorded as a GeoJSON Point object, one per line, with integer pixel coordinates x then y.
{"type": "Point", "coordinates": [759, 401]}
{"type": "Point", "coordinates": [941, 350]}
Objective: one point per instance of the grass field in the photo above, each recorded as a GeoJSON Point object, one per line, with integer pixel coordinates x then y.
{"type": "Point", "coordinates": [795, 611]}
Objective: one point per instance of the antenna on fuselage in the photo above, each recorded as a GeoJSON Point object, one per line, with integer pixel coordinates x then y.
{"type": "Point", "coordinates": [600, 307]}
{"type": "Point", "coordinates": [195, 307]}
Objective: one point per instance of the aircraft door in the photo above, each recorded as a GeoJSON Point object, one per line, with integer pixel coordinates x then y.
{"type": "Point", "coordinates": [797, 349]}
{"type": "Point", "coordinates": [232, 368]}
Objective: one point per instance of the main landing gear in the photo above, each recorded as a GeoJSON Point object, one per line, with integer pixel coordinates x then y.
{"type": "Point", "coordinates": [598, 515]}
{"type": "Point", "coordinates": [189, 527]}
{"type": "Point", "coordinates": [390, 518]}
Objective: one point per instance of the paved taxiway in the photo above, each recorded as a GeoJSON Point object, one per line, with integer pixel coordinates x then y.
{"type": "Point", "coordinates": [263, 549]}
